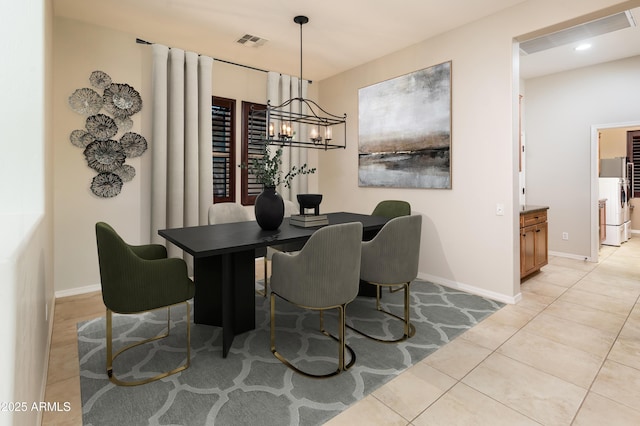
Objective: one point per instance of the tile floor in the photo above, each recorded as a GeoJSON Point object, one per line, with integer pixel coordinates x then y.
{"type": "Point", "coordinates": [567, 354]}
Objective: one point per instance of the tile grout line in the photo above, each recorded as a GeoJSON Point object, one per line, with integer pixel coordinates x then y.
{"type": "Point", "coordinates": [460, 381]}
{"type": "Point", "coordinates": [494, 351]}
{"type": "Point", "coordinates": [604, 360]}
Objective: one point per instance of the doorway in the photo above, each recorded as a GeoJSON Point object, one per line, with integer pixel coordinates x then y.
{"type": "Point", "coordinates": [596, 129]}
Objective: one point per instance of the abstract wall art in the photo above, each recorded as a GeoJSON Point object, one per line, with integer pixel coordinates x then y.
{"type": "Point", "coordinates": [405, 131]}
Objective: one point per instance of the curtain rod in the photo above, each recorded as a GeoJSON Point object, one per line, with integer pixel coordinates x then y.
{"type": "Point", "coordinates": [140, 41]}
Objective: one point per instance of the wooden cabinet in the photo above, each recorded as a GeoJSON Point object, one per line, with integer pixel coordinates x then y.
{"type": "Point", "coordinates": [533, 241]}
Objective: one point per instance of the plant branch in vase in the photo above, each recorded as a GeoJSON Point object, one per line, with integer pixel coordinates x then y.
{"type": "Point", "coordinates": [269, 207]}
{"type": "Point", "coordinates": [268, 169]}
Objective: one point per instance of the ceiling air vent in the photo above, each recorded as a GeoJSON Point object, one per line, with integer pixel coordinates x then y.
{"type": "Point", "coordinates": [579, 32]}
{"type": "Point", "coordinates": [251, 40]}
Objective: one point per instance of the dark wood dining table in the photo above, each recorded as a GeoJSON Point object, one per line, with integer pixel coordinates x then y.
{"type": "Point", "coordinates": [224, 265]}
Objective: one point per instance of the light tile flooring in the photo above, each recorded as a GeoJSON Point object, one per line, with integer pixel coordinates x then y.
{"type": "Point", "coordinates": [567, 354]}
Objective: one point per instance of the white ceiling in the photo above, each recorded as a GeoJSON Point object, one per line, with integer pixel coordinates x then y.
{"type": "Point", "coordinates": [341, 34]}
{"type": "Point", "coordinates": [607, 47]}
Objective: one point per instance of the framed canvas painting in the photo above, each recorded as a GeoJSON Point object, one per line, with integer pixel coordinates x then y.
{"type": "Point", "coordinates": [405, 131]}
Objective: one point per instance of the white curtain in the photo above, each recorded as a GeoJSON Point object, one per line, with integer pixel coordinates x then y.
{"type": "Point", "coordinates": [281, 88]}
{"type": "Point", "coordinates": [182, 176]}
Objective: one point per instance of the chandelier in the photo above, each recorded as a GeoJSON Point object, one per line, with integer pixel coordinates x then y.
{"type": "Point", "coordinates": [279, 121]}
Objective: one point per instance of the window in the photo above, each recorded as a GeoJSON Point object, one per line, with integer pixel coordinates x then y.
{"type": "Point", "coordinates": [252, 146]}
{"type": "Point", "coordinates": [223, 112]}
{"type": "Point", "coordinates": [633, 155]}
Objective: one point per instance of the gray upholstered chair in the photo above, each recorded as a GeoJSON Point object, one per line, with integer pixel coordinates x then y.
{"type": "Point", "coordinates": [323, 275]}
{"type": "Point", "coordinates": [290, 208]}
{"type": "Point", "coordinates": [392, 208]}
{"type": "Point", "coordinates": [391, 259]}
{"type": "Point", "coordinates": [137, 279]}
{"type": "Point", "coordinates": [227, 213]}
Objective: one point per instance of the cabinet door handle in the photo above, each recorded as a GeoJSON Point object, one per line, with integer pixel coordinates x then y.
{"type": "Point", "coordinates": [538, 230]}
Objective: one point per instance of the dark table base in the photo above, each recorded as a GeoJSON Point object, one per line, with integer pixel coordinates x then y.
{"type": "Point", "coordinates": [216, 293]}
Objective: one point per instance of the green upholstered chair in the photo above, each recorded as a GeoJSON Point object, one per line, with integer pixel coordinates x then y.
{"type": "Point", "coordinates": [137, 279]}
{"type": "Point", "coordinates": [391, 259]}
{"type": "Point", "coordinates": [323, 275]}
{"type": "Point", "coordinates": [392, 208]}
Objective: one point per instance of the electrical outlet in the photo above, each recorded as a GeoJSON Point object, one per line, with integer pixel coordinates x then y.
{"type": "Point", "coordinates": [565, 235]}
{"type": "Point", "coordinates": [499, 209]}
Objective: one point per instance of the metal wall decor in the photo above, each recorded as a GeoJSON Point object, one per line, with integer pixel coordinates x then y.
{"type": "Point", "coordinates": [103, 152]}
{"type": "Point", "coordinates": [405, 131]}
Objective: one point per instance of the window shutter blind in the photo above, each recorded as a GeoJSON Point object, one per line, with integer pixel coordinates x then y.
{"type": "Point", "coordinates": [222, 148]}
{"type": "Point", "coordinates": [633, 154]}
{"type": "Point", "coordinates": [252, 147]}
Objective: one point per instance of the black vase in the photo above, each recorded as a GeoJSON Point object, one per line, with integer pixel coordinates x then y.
{"type": "Point", "coordinates": [269, 209]}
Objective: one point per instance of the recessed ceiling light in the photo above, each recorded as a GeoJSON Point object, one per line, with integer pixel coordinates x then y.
{"type": "Point", "coordinates": [583, 46]}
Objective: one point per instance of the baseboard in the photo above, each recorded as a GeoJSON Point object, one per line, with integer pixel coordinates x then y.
{"type": "Point", "coordinates": [571, 256]}
{"type": "Point", "coordinates": [78, 290]}
{"type": "Point", "coordinates": [471, 289]}
{"type": "Point", "coordinates": [47, 353]}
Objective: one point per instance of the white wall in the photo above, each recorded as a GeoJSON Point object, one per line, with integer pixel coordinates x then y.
{"type": "Point", "coordinates": [464, 243]}
{"type": "Point", "coordinates": [25, 213]}
{"type": "Point", "coordinates": [561, 108]}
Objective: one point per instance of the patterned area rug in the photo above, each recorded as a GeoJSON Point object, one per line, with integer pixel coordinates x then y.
{"type": "Point", "coordinates": [251, 386]}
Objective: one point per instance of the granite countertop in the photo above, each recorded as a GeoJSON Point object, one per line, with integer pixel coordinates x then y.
{"type": "Point", "coordinates": [530, 209]}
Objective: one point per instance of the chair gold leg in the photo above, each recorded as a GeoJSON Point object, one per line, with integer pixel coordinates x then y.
{"type": "Point", "coordinates": [272, 322]}
{"type": "Point", "coordinates": [111, 357]}
{"type": "Point", "coordinates": [409, 329]}
{"type": "Point", "coordinates": [340, 339]}
{"type": "Point", "coordinates": [341, 334]}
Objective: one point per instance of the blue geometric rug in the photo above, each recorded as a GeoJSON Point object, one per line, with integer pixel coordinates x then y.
{"type": "Point", "coordinates": [250, 386]}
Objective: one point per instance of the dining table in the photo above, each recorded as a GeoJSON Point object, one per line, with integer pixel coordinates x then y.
{"type": "Point", "coordinates": [224, 265]}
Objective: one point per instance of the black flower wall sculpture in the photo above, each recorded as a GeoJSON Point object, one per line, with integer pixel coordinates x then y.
{"type": "Point", "coordinates": [134, 145]}
{"type": "Point", "coordinates": [106, 185]}
{"type": "Point", "coordinates": [81, 138]}
{"type": "Point", "coordinates": [104, 156]}
{"type": "Point", "coordinates": [100, 79]}
{"type": "Point", "coordinates": [104, 152]}
{"type": "Point", "coordinates": [85, 101]}
{"type": "Point", "coordinates": [102, 127]}
{"type": "Point", "coordinates": [121, 100]}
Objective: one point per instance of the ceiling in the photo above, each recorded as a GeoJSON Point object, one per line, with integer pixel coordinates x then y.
{"type": "Point", "coordinates": [616, 45]}
{"type": "Point", "coordinates": [340, 35]}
